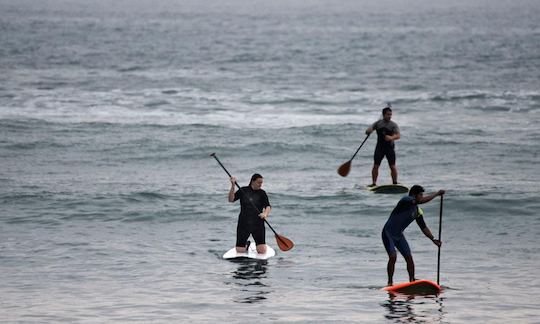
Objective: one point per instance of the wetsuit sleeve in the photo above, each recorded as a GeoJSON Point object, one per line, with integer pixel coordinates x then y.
{"type": "Point", "coordinates": [266, 201]}
{"type": "Point", "coordinates": [374, 125]}
{"type": "Point", "coordinates": [238, 194]}
{"type": "Point", "coordinates": [396, 129]}
{"type": "Point", "coordinates": [420, 222]}
{"type": "Point", "coordinates": [402, 205]}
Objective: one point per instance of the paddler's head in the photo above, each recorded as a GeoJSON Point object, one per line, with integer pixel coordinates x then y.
{"type": "Point", "coordinates": [387, 113]}
{"type": "Point", "coordinates": [416, 191]}
{"type": "Point", "coordinates": [256, 181]}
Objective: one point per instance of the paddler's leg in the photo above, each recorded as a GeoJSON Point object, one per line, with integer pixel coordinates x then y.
{"type": "Point", "coordinates": [259, 237]}
{"type": "Point", "coordinates": [392, 256]}
{"type": "Point", "coordinates": [390, 268]}
{"type": "Point", "coordinates": [403, 248]}
{"type": "Point", "coordinates": [394, 173]}
{"type": "Point", "coordinates": [377, 159]}
{"type": "Point", "coordinates": [374, 174]}
{"type": "Point", "coordinates": [410, 267]}
{"type": "Point", "coordinates": [242, 234]}
{"type": "Point", "coordinates": [261, 248]}
{"type": "Point", "coordinates": [391, 157]}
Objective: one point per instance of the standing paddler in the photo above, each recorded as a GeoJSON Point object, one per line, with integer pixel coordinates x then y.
{"type": "Point", "coordinates": [405, 212]}
{"type": "Point", "coordinates": [387, 133]}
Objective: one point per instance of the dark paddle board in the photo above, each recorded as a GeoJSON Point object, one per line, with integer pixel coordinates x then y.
{"type": "Point", "coordinates": [389, 189]}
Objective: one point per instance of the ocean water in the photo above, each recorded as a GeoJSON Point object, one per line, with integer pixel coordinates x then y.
{"type": "Point", "coordinates": [113, 210]}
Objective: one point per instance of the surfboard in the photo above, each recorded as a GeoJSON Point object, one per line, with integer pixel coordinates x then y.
{"type": "Point", "coordinates": [251, 253]}
{"type": "Point", "coordinates": [417, 287]}
{"type": "Point", "coordinates": [389, 189]}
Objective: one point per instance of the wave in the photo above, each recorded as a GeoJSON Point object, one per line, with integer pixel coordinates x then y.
{"type": "Point", "coordinates": [50, 208]}
{"type": "Point", "coordinates": [170, 92]}
{"type": "Point", "coordinates": [47, 85]}
{"type": "Point", "coordinates": [250, 108]}
{"type": "Point", "coordinates": [157, 103]}
{"type": "Point", "coordinates": [159, 117]}
{"type": "Point", "coordinates": [460, 95]}
{"type": "Point", "coordinates": [145, 196]}
{"type": "Point", "coordinates": [133, 68]}
{"type": "Point", "coordinates": [56, 208]}
{"type": "Point", "coordinates": [32, 145]}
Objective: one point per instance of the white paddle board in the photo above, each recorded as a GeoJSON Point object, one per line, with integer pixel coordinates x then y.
{"type": "Point", "coordinates": [251, 253]}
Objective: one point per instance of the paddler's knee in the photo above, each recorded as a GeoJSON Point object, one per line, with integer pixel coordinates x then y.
{"type": "Point", "coordinates": [261, 248]}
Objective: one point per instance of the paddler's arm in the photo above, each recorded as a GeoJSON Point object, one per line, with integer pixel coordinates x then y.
{"type": "Point", "coordinates": [265, 212]}
{"type": "Point", "coordinates": [430, 197]}
{"type": "Point", "coordinates": [426, 231]}
{"type": "Point", "coordinates": [394, 137]}
{"type": "Point", "coordinates": [231, 191]}
{"type": "Point", "coordinates": [369, 130]}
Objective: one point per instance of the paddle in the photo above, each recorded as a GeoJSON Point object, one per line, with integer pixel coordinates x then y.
{"type": "Point", "coordinates": [440, 230]}
{"type": "Point", "coordinates": [284, 243]}
{"type": "Point", "coordinates": [344, 169]}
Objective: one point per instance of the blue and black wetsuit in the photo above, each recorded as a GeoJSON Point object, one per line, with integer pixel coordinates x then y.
{"type": "Point", "coordinates": [252, 203]}
{"type": "Point", "coordinates": [403, 214]}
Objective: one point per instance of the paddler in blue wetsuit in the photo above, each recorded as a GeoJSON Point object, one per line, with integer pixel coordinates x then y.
{"type": "Point", "coordinates": [405, 212]}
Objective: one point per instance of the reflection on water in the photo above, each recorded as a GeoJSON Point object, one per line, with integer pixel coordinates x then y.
{"type": "Point", "coordinates": [249, 278]}
{"type": "Point", "coordinates": [404, 308]}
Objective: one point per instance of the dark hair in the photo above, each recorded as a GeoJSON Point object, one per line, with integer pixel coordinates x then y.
{"type": "Point", "coordinates": [254, 177]}
{"type": "Point", "coordinates": [386, 109]}
{"type": "Point", "coordinates": [415, 190]}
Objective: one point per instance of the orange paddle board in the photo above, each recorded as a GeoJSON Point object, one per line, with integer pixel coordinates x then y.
{"type": "Point", "coordinates": [417, 287]}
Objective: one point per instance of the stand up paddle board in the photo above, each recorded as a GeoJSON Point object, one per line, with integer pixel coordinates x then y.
{"type": "Point", "coordinates": [251, 253]}
{"type": "Point", "coordinates": [388, 189]}
{"type": "Point", "coordinates": [417, 287]}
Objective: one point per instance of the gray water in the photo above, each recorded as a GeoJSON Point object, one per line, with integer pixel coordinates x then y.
{"type": "Point", "coordinates": [113, 210]}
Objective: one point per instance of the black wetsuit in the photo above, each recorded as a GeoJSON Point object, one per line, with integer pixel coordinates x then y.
{"type": "Point", "coordinates": [385, 148]}
{"type": "Point", "coordinates": [252, 203]}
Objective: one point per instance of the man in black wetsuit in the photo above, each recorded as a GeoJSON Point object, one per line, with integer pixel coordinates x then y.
{"type": "Point", "coordinates": [253, 200]}
{"type": "Point", "coordinates": [387, 133]}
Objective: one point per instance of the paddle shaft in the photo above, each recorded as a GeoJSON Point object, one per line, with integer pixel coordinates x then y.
{"type": "Point", "coordinates": [236, 183]}
{"type": "Point", "coordinates": [365, 139]}
{"type": "Point", "coordinates": [440, 231]}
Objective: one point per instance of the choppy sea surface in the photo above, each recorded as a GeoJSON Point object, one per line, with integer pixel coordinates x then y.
{"type": "Point", "coordinates": [113, 211]}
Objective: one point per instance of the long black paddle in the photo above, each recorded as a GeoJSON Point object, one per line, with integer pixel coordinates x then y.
{"type": "Point", "coordinates": [344, 169]}
{"type": "Point", "coordinates": [440, 230]}
{"type": "Point", "coordinates": [284, 243]}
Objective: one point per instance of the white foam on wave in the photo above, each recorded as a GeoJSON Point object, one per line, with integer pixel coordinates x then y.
{"type": "Point", "coordinates": [248, 108]}
{"type": "Point", "coordinates": [182, 108]}
{"type": "Point", "coordinates": [227, 118]}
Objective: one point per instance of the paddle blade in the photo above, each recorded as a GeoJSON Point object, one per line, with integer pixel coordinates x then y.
{"type": "Point", "coordinates": [284, 243]}
{"type": "Point", "coordinates": [344, 169]}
